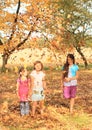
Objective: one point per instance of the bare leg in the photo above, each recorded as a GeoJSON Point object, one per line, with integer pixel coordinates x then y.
{"type": "Point", "coordinates": [41, 106]}
{"type": "Point", "coordinates": [34, 105]}
{"type": "Point", "coordinates": [72, 100]}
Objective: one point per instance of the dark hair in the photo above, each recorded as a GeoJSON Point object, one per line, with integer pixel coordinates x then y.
{"type": "Point", "coordinates": [21, 69]}
{"type": "Point", "coordinates": [66, 65]}
{"type": "Point", "coordinates": [38, 62]}
{"type": "Point", "coordinates": [72, 57]}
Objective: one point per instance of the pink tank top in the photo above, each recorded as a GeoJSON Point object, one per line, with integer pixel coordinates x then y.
{"type": "Point", "coordinates": [23, 89]}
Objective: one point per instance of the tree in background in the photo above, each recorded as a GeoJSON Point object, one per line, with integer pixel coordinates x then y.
{"type": "Point", "coordinates": [67, 22]}
{"type": "Point", "coordinates": [18, 26]}
{"type": "Point", "coordinates": [76, 22]}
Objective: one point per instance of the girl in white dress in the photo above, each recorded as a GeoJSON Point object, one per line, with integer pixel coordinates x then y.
{"type": "Point", "coordinates": [38, 87]}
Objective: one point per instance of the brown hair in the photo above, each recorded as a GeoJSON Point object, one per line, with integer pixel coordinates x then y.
{"type": "Point", "coordinates": [66, 65]}
{"type": "Point", "coordinates": [21, 69]}
{"type": "Point", "coordinates": [38, 62]}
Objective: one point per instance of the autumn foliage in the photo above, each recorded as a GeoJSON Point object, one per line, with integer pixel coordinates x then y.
{"type": "Point", "coordinates": [56, 115]}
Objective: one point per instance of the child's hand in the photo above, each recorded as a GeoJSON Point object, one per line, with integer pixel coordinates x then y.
{"type": "Point", "coordinates": [67, 79]}
{"type": "Point", "coordinates": [29, 98]}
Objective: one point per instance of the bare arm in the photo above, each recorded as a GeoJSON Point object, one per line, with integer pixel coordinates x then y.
{"type": "Point", "coordinates": [44, 83]}
{"type": "Point", "coordinates": [17, 85]}
{"type": "Point", "coordinates": [29, 86]}
{"type": "Point", "coordinates": [32, 84]}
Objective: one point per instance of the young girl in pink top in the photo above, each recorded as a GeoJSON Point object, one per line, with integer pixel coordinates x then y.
{"type": "Point", "coordinates": [23, 87]}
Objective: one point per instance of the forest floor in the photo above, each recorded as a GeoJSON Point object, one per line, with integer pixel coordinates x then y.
{"type": "Point", "coordinates": [56, 115]}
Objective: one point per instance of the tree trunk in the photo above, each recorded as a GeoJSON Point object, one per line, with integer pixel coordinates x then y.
{"type": "Point", "coordinates": [83, 57]}
{"type": "Point", "coordinates": [4, 59]}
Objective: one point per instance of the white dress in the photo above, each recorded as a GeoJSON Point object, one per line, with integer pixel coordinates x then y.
{"type": "Point", "coordinates": [38, 90]}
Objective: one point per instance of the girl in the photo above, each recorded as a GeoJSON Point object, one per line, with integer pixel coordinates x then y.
{"type": "Point", "coordinates": [23, 87]}
{"type": "Point", "coordinates": [38, 86]}
{"type": "Point", "coordinates": [69, 80]}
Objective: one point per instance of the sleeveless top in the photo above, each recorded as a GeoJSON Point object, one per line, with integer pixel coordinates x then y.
{"type": "Point", "coordinates": [23, 89]}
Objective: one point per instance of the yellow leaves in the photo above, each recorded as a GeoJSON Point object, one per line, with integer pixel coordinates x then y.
{"type": "Point", "coordinates": [25, 66]}
{"type": "Point", "coordinates": [9, 17]}
{"type": "Point", "coordinates": [20, 25]}
{"type": "Point", "coordinates": [24, 18]}
{"type": "Point", "coordinates": [68, 16]}
{"type": "Point", "coordinates": [49, 59]}
{"type": "Point", "coordinates": [15, 69]}
{"type": "Point", "coordinates": [2, 25]}
{"type": "Point", "coordinates": [22, 59]}
{"type": "Point", "coordinates": [1, 49]}
{"type": "Point", "coordinates": [36, 7]}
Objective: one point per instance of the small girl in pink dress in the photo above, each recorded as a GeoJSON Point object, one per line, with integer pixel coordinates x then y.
{"type": "Point", "coordinates": [23, 87]}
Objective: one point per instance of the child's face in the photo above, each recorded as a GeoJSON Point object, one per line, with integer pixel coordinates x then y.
{"type": "Point", "coordinates": [38, 67]}
{"type": "Point", "coordinates": [70, 61]}
{"type": "Point", "coordinates": [25, 72]}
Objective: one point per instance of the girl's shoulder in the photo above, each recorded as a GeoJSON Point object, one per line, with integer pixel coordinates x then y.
{"type": "Point", "coordinates": [29, 79]}
{"type": "Point", "coordinates": [19, 79]}
{"type": "Point", "coordinates": [75, 66]}
{"type": "Point", "coordinates": [33, 73]}
{"type": "Point", "coordinates": [42, 72]}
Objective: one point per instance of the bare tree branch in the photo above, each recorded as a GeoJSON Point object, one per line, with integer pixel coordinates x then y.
{"type": "Point", "coordinates": [14, 24]}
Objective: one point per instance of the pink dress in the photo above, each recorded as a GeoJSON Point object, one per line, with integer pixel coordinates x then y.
{"type": "Point", "coordinates": [23, 89]}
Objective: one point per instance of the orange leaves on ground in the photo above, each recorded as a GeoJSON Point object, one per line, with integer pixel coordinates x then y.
{"type": "Point", "coordinates": [3, 128]}
{"type": "Point", "coordinates": [4, 107]}
{"type": "Point", "coordinates": [4, 77]}
{"type": "Point", "coordinates": [56, 108]}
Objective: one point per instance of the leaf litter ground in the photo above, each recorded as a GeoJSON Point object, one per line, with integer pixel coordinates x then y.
{"type": "Point", "coordinates": [56, 115]}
